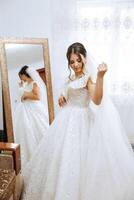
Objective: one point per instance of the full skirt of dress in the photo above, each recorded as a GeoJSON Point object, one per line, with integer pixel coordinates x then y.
{"type": "Point", "coordinates": [30, 125]}
{"type": "Point", "coordinates": [84, 155]}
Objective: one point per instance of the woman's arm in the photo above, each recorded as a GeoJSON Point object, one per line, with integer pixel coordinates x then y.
{"type": "Point", "coordinates": [33, 95]}
{"type": "Point", "coordinates": [96, 90]}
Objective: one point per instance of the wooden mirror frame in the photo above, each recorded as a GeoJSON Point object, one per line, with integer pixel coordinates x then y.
{"type": "Point", "coordinates": [5, 82]}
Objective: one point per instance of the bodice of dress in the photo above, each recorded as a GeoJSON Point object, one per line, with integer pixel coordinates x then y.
{"type": "Point", "coordinates": [27, 87]}
{"type": "Point", "coordinates": [76, 92]}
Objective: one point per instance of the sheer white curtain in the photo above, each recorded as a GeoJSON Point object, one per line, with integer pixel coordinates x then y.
{"type": "Point", "coordinates": [106, 28]}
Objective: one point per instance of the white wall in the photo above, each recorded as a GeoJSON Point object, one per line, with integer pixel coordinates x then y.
{"type": "Point", "coordinates": [29, 18]}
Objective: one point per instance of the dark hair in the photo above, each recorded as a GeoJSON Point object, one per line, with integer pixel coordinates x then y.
{"type": "Point", "coordinates": [78, 49]}
{"type": "Point", "coordinates": [23, 71]}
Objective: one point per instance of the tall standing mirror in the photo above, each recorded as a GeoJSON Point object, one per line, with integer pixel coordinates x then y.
{"type": "Point", "coordinates": [14, 54]}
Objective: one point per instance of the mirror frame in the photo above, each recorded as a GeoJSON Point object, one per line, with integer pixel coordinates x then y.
{"type": "Point", "coordinates": [5, 81]}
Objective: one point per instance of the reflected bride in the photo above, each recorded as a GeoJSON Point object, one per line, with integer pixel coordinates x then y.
{"type": "Point", "coordinates": [31, 115]}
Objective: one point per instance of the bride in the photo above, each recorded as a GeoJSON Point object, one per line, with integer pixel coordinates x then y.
{"type": "Point", "coordinates": [31, 115]}
{"type": "Point", "coordinates": [84, 155]}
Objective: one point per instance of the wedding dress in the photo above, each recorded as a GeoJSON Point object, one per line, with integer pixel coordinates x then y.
{"type": "Point", "coordinates": [30, 124]}
{"type": "Point", "coordinates": [84, 155]}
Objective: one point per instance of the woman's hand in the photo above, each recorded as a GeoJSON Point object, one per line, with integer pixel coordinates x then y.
{"type": "Point", "coordinates": [24, 96]}
{"type": "Point", "coordinates": [61, 101]}
{"type": "Point", "coordinates": [102, 70]}
{"type": "Point", "coordinates": [21, 83]}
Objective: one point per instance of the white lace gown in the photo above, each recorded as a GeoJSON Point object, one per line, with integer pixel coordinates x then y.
{"type": "Point", "coordinates": [84, 155]}
{"type": "Point", "coordinates": [30, 124]}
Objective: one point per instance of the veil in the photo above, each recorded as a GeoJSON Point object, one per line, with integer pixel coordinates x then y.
{"type": "Point", "coordinates": [91, 66]}
{"type": "Point", "coordinates": [106, 114]}
{"type": "Point", "coordinates": [36, 77]}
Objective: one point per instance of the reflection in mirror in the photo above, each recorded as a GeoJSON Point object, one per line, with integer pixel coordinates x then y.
{"type": "Point", "coordinates": [27, 95]}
